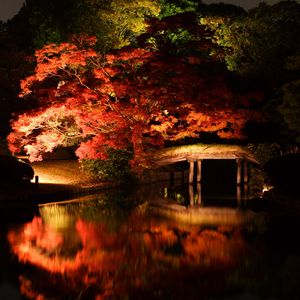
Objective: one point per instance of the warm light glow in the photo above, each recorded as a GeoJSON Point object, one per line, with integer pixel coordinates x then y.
{"type": "Point", "coordinates": [48, 178]}
{"type": "Point", "coordinates": [56, 216]}
{"type": "Point", "coordinates": [59, 171]}
{"type": "Point", "coordinates": [266, 188]}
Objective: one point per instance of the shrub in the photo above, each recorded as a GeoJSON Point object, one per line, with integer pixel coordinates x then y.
{"type": "Point", "coordinates": [259, 177]}
{"type": "Point", "coordinates": [116, 167]}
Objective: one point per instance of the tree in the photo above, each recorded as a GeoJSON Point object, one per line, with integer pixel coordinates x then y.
{"type": "Point", "coordinates": [259, 46]}
{"type": "Point", "coordinates": [171, 8]}
{"type": "Point", "coordinates": [115, 23]}
{"type": "Point", "coordinates": [261, 41]}
{"type": "Point", "coordinates": [125, 20]}
{"type": "Point", "coordinates": [14, 65]}
{"type": "Point", "coordinates": [290, 108]}
{"type": "Point", "coordinates": [134, 99]}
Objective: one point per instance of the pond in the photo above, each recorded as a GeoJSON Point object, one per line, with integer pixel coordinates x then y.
{"type": "Point", "coordinates": [150, 244]}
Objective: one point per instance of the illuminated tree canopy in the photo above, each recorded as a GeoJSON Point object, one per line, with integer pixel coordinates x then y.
{"type": "Point", "coordinates": [260, 42]}
{"type": "Point", "coordinates": [256, 47]}
{"type": "Point", "coordinates": [115, 23]}
{"type": "Point", "coordinates": [134, 99]}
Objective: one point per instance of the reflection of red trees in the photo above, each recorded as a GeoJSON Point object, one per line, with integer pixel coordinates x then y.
{"type": "Point", "coordinates": [130, 259]}
{"type": "Point", "coordinates": [27, 289]}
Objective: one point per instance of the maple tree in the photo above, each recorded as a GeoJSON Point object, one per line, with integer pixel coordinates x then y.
{"type": "Point", "coordinates": [134, 99]}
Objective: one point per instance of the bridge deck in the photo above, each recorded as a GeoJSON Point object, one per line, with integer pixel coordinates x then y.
{"type": "Point", "coordinates": [201, 151]}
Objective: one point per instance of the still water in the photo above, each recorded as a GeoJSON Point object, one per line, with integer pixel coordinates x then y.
{"type": "Point", "coordinates": [175, 244]}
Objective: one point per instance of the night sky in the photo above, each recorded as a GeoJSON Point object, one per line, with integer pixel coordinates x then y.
{"type": "Point", "coordinates": [8, 8]}
{"type": "Point", "coordinates": [247, 4]}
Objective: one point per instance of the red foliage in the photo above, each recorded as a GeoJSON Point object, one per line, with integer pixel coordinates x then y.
{"type": "Point", "coordinates": [134, 99]}
{"type": "Point", "coordinates": [99, 254]}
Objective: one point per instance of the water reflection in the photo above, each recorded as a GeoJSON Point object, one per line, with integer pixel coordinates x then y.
{"type": "Point", "coordinates": [201, 195]}
{"type": "Point", "coordinates": [85, 249]}
{"type": "Point", "coordinates": [195, 199]}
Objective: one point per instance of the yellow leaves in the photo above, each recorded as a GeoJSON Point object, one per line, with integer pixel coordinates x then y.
{"type": "Point", "coordinates": [213, 22]}
{"type": "Point", "coordinates": [124, 17]}
{"type": "Point", "coordinates": [183, 134]}
{"type": "Point", "coordinates": [165, 123]}
{"type": "Point", "coordinates": [162, 128]}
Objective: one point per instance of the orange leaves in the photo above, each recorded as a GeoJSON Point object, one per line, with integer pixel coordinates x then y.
{"type": "Point", "coordinates": [27, 289]}
{"type": "Point", "coordinates": [33, 237]}
{"type": "Point", "coordinates": [101, 74]}
{"type": "Point", "coordinates": [163, 124]}
{"type": "Point", "coordinates": [114, 259]}
{"type": "Point", "coordinates": [13, 140]}
{"type": "Point", "coordinates": [133, 56]}
{"type": "Point", "coordinates": [25, 85]}
{"type": "Point", "coordinates": [91, 149]}
{"type": "Point", "coordinates": [53, 58]}
{"type": "Point", "coordinates": [121, 102]}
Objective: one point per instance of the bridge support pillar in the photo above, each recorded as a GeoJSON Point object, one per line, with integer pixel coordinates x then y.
{"type": "Point", "coordinates": [239, 196]}
{"type": "Point", "coordinates": [198, 170]}
{"type": "Point", "coordinates": [191, 171]}
{"type": "Point", "coordinates": [191, 195]}
{"type": "Point", "coordinates": [242, 172]}
{"type": "Point", "coordinates": [199, 194]}
{"type": "Point", "coordinates": [195, 198]}
{"type": "Point", "coordinates": [246, 173]}
{"type": "Point", "coordinates": [239, 171]}
{"type": "Point", "coordinates": [199, 163]}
